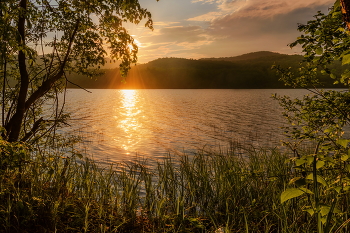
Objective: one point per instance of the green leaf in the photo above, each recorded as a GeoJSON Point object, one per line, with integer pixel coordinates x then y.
{"type": "Point", "coordinates": [319, 164]}
{"type": "Point", "coordinates": [326, 208]}
{"type": "Point", "coordinates": [345, 75]}
{"type": "Point", "coordinates": [346, 59]}
{"type": "Point", "coordinates": [310, 211]}
{"type": "Point", "coordinates": [320, 179]}
{"type": "Point", "coordinates": [343, 142]}
{"type": "Point", "coordinates": [328, 130]}
{"type": "Point", "coordinates": [292, 193]}
{"type": "Point", "coordinates": [344, 157]}
{"type": "Point", "coordinates": [319, 51]}
{"type": "Point", "coordinates": [310, 160]}
{"type": "Point", "coordinates": [341, 29]}
{"type": "Point", "coordinates": [337, 4]}
{"type": "Point", "coordinates": [338, 189]}
{"type": "Point", "coordinates": [347, 166]}
{"type": "Point", "coordinates": [299, 162]}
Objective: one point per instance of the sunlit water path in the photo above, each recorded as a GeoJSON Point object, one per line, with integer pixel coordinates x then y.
{"type": "Point", "coordinates": [117, 125]}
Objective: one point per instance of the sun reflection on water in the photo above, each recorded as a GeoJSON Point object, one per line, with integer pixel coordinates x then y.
{"type": "Point", "coordinates": [130, 119]}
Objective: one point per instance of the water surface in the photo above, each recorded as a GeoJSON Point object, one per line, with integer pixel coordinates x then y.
{"type": "Point", "coordinates": [117, 125]}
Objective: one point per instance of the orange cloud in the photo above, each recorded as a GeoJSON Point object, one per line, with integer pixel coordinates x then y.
{"type": "Point", "coordinates": [256, 8]}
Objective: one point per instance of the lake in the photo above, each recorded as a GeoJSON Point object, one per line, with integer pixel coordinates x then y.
{"type": "Point", "coordinates": [118, 125]}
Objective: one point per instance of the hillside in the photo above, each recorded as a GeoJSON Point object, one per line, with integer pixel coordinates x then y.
{"type": "Point", "coordinates": [251, 70]}
{"type": "Point", "coordinates": [250, 56]}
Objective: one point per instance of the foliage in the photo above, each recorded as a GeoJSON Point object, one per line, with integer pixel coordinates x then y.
{"type": "Point", "coordinates": [206, 192]}
{"type": "Point", "coordinates": [320, 119]}
{"type": "Point", "coordinates": [325, 40]}
{"type": "Point", "coordinates": [43, 41]}
{"type": "Point", "coordinates": [237, 191]}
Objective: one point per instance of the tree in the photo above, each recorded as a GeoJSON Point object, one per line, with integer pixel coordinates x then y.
{"type": "Point", "coordinates": [321, 120]}
{"type": "Point", "coordinates": [42, 41]}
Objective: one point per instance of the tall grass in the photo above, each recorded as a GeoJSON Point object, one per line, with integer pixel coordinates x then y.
{"type": "Point", "coordinates": [205, 192]}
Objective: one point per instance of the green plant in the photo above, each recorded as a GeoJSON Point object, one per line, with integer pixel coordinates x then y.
{"type": "Point", "coordinates": [204, 192]}
{"type": "Point", "coordinates": [320, 120]}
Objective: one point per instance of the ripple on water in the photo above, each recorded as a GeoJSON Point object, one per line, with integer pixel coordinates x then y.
{"type": "Point", "coordinates": [118, 125]}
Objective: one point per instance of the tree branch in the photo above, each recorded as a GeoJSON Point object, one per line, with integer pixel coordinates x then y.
{"type": "Point", "coordinates": [47, 84]}
{"type": "Point", "coordinates": [35, 127]}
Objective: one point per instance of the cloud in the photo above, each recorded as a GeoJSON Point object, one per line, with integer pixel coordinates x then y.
{"type": "Point", "coordinates": [204, 1]}
{"type": "Point", "coordinates": [164, 23]}
{"type": "Point", "coordinates": [255, 26]}
{"type": "Point", "coordinates": [178, 41]}
{"type": "Point", "coordinates": [179, 34]}
{"type": "Point", "coordinates": [224, 7]}
{"type": "Point", "coordinates": [234, 36]}
{"type": "Point", "coordinates": [256, 8]}
{"type": "Point", "coordinates": [210, 16]}
{"type": "Point", "coordinates": [230, 28]}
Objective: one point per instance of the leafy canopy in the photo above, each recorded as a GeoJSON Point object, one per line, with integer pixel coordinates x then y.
{"type": "Point", "coordinates": [41, 41]}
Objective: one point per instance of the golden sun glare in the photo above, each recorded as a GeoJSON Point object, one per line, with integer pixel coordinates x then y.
{"type": "Point", "coordinates": [137, 42]}
{"type": "Point", "coordinates": [130, 118]}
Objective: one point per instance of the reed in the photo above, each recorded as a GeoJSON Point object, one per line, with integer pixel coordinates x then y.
{"type": "Point", "coordinates": [204, 192]}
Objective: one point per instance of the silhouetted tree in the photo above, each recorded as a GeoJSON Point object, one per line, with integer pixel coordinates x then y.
{"type": "Point", "coordinates": [42, 41]}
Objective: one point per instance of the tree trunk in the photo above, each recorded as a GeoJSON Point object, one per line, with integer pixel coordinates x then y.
{"type": "Point", "coordinates": [14, 129]}
{"type": "Point", "coordinates": [14, 125]}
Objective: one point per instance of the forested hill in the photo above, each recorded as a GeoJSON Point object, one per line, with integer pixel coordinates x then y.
{"type": "Point", "coordinates": [251, 70]}
{"type": "Point", "coordinates": [255, 55]}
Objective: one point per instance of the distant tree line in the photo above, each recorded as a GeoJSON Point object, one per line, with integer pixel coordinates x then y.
{"type": "Point", "coordinates": [251, 70]}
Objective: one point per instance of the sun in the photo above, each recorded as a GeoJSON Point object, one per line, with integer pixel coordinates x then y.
{"type": "Point", "coordinates": [131, 47]}
{"type": "Point", "coordinates": [137, 42]}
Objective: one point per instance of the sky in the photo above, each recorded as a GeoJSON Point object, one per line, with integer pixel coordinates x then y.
{"type": "Point", "coordinates": [222, 28]}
